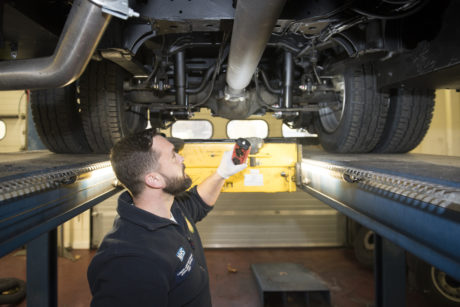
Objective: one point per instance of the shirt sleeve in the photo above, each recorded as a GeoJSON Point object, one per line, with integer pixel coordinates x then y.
{"type": "Point", "coordinates": [195, 206]}
{"type": "Point", "coordinates": [130, 281]}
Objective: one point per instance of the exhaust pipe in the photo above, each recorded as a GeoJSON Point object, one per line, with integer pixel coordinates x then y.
{"type": "Point", "coordinates": [81, 34]}
{"type": "Point", "coordinates": [253, 24]}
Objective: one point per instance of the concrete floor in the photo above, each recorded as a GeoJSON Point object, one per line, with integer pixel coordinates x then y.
{"type": "Point", "coordinates": [232, 282]}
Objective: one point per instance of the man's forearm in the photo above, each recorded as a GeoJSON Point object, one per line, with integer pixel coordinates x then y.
{"type": "Point", "coordinates": [209, 189]}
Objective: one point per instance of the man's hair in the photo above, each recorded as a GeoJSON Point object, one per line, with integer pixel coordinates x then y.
{"type": "Point", "coordinates": [133, 157]}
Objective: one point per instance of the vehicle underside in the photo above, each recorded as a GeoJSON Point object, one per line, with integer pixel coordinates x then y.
{"type": "Point", "coordinates": [360, 74]}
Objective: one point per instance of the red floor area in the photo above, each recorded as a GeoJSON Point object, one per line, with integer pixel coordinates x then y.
{"type": "Point", "coordinates": [232, 282]}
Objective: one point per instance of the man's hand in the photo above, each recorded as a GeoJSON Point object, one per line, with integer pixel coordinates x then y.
{"type": "Point", "coordinates": [227, 168]}
{"type": "Point", "coordinates": [210, 188]}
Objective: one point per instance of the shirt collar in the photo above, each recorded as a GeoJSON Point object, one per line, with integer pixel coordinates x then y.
{"type": "Point", "coordinates": [138, 216]}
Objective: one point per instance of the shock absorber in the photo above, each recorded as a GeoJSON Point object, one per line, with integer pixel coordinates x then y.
{"type": "Point", "coordinates": [181, 96]}
{"type": "Point", "coordinates": [287, 90]}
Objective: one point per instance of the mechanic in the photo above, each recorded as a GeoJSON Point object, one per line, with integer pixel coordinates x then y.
{"type": "Point", "coordinates": [153, 256]}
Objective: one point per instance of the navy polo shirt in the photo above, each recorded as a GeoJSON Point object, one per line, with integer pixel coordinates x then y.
{"type": "Point", "coordinates": [147, 260]}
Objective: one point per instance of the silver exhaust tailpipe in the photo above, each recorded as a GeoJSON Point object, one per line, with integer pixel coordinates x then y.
{"type": "Point", "coordinates": [253, 24]}
{"type": "Point", "coordinates": [81, 34]}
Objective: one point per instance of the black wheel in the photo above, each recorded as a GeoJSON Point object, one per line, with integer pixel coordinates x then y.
{"type": "Point", "coordinates": [107, 115]}
{"type": "Point", "coordinates": [363, 245]}
{"type": "Point", "coordinates": [57, 119]}
{"type": "Point", "coordinates": [12, 291]}
{"type": "Point", "coordinates": [440, 288]}
{"type": "Point", "coordinates": [356, 123]}
{"type": "Point", "coordinates": [408, 120]}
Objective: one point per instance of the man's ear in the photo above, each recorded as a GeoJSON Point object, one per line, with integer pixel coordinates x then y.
{"type": "Point", "coordinates": [154, 180]}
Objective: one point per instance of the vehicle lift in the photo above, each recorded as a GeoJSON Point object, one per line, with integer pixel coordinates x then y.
{"type": "Point", "coordinates": [410, 201]}
{"type": "Point", "coordinates": [38, 192]}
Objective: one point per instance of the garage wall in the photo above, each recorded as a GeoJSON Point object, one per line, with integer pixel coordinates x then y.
{"type": "Point", "coordinates": [102, 217]}
{"type": "Point", "coordinates": [443, 137]}
{"type": "Point", "coordinates": [241, 220]}
{"type": "Point", "coordinates": [77, 231]}
{"type": "Point", "coordinates": [294, 219]}
{"type": "Point", "coordinates": [13, 113]}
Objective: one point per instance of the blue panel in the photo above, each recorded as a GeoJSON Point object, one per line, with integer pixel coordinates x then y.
{"type": "Point", "coordinates": [426, 230]}
{"type": "Point", "coordinates": [26, 218]}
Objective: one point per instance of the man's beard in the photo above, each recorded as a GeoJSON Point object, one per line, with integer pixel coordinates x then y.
{"type": "Point", "coordinates": [177, 185]}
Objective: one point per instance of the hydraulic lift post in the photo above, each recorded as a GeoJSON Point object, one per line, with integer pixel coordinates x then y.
{"type": "Point", "coordinates": [389, 273]}
{"type": "Point", "coordinates": [42, 270]}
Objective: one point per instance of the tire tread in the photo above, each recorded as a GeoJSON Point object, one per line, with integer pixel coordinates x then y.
{"type": "Point", "coordinates": [58, 121]}
{"type": "Point", "coordinates": [364, 117]}
{"type": "Point", "coordinates": [100, 98]}
{"type": "Point", "coordinates": [409, 118]}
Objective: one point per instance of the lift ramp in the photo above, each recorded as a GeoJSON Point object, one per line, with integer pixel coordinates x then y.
{"type": "Point", "coordinates": [411, 202]}
{"type": "Point", "coordinates": [40, 190]}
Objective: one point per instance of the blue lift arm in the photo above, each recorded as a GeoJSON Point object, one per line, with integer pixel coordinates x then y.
{"type": "Point", "coordinates": [410, 201]}
{"type": "Point", "coordinates": [38, 192]}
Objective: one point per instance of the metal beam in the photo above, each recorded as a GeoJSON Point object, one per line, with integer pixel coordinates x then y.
{"type": "Point", "coordinates": [36, 196]}
{"type": "Point", "coordinates": [34, 205]}
{"type": "Point", "coordinates": [433, 63]}
{"type": "Point", "coordinates": [420, 215]}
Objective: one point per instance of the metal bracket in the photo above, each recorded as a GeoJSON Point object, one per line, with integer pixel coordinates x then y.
{"type": "Point", "coordinates": [117, 8]}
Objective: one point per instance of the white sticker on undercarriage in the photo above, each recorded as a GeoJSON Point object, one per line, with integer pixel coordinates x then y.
{"type": "Point", "coordinates": [254, 178]}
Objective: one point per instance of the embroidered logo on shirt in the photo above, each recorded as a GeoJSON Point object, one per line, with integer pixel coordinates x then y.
{"type": "Point", "coordinates": [189, 225]}
{"type": "Point", "coordinates": [180, 253]}
{"type": "Point", "coordinates": [185, 270]}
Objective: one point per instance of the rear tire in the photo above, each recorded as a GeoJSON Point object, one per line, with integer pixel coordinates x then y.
{"type": "Point", "coordinates": [57, 119]}
{"type": "Point", "coordinates": [106, 115]}
{"type": "Point", "coordinates": [440, 288]}
{"type": "Point", "coordinates": [364, 247]}
{"type": "Point", "coordinates": [357, 124]}
{"type": "Point", "coordinates": [409, 118]}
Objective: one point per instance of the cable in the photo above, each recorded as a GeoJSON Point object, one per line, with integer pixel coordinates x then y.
{"type": "Point", "coordinates": [156, 64]}
{"type": "Point", "coordinates": [263, 103]}
{"type": "Point", "coordinates": [219, 61]}
{"type": "Point", "coordinates": [267, 84]}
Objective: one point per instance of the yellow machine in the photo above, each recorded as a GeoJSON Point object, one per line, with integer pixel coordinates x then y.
{"type": "Point", "coordinates": [271, 169]}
